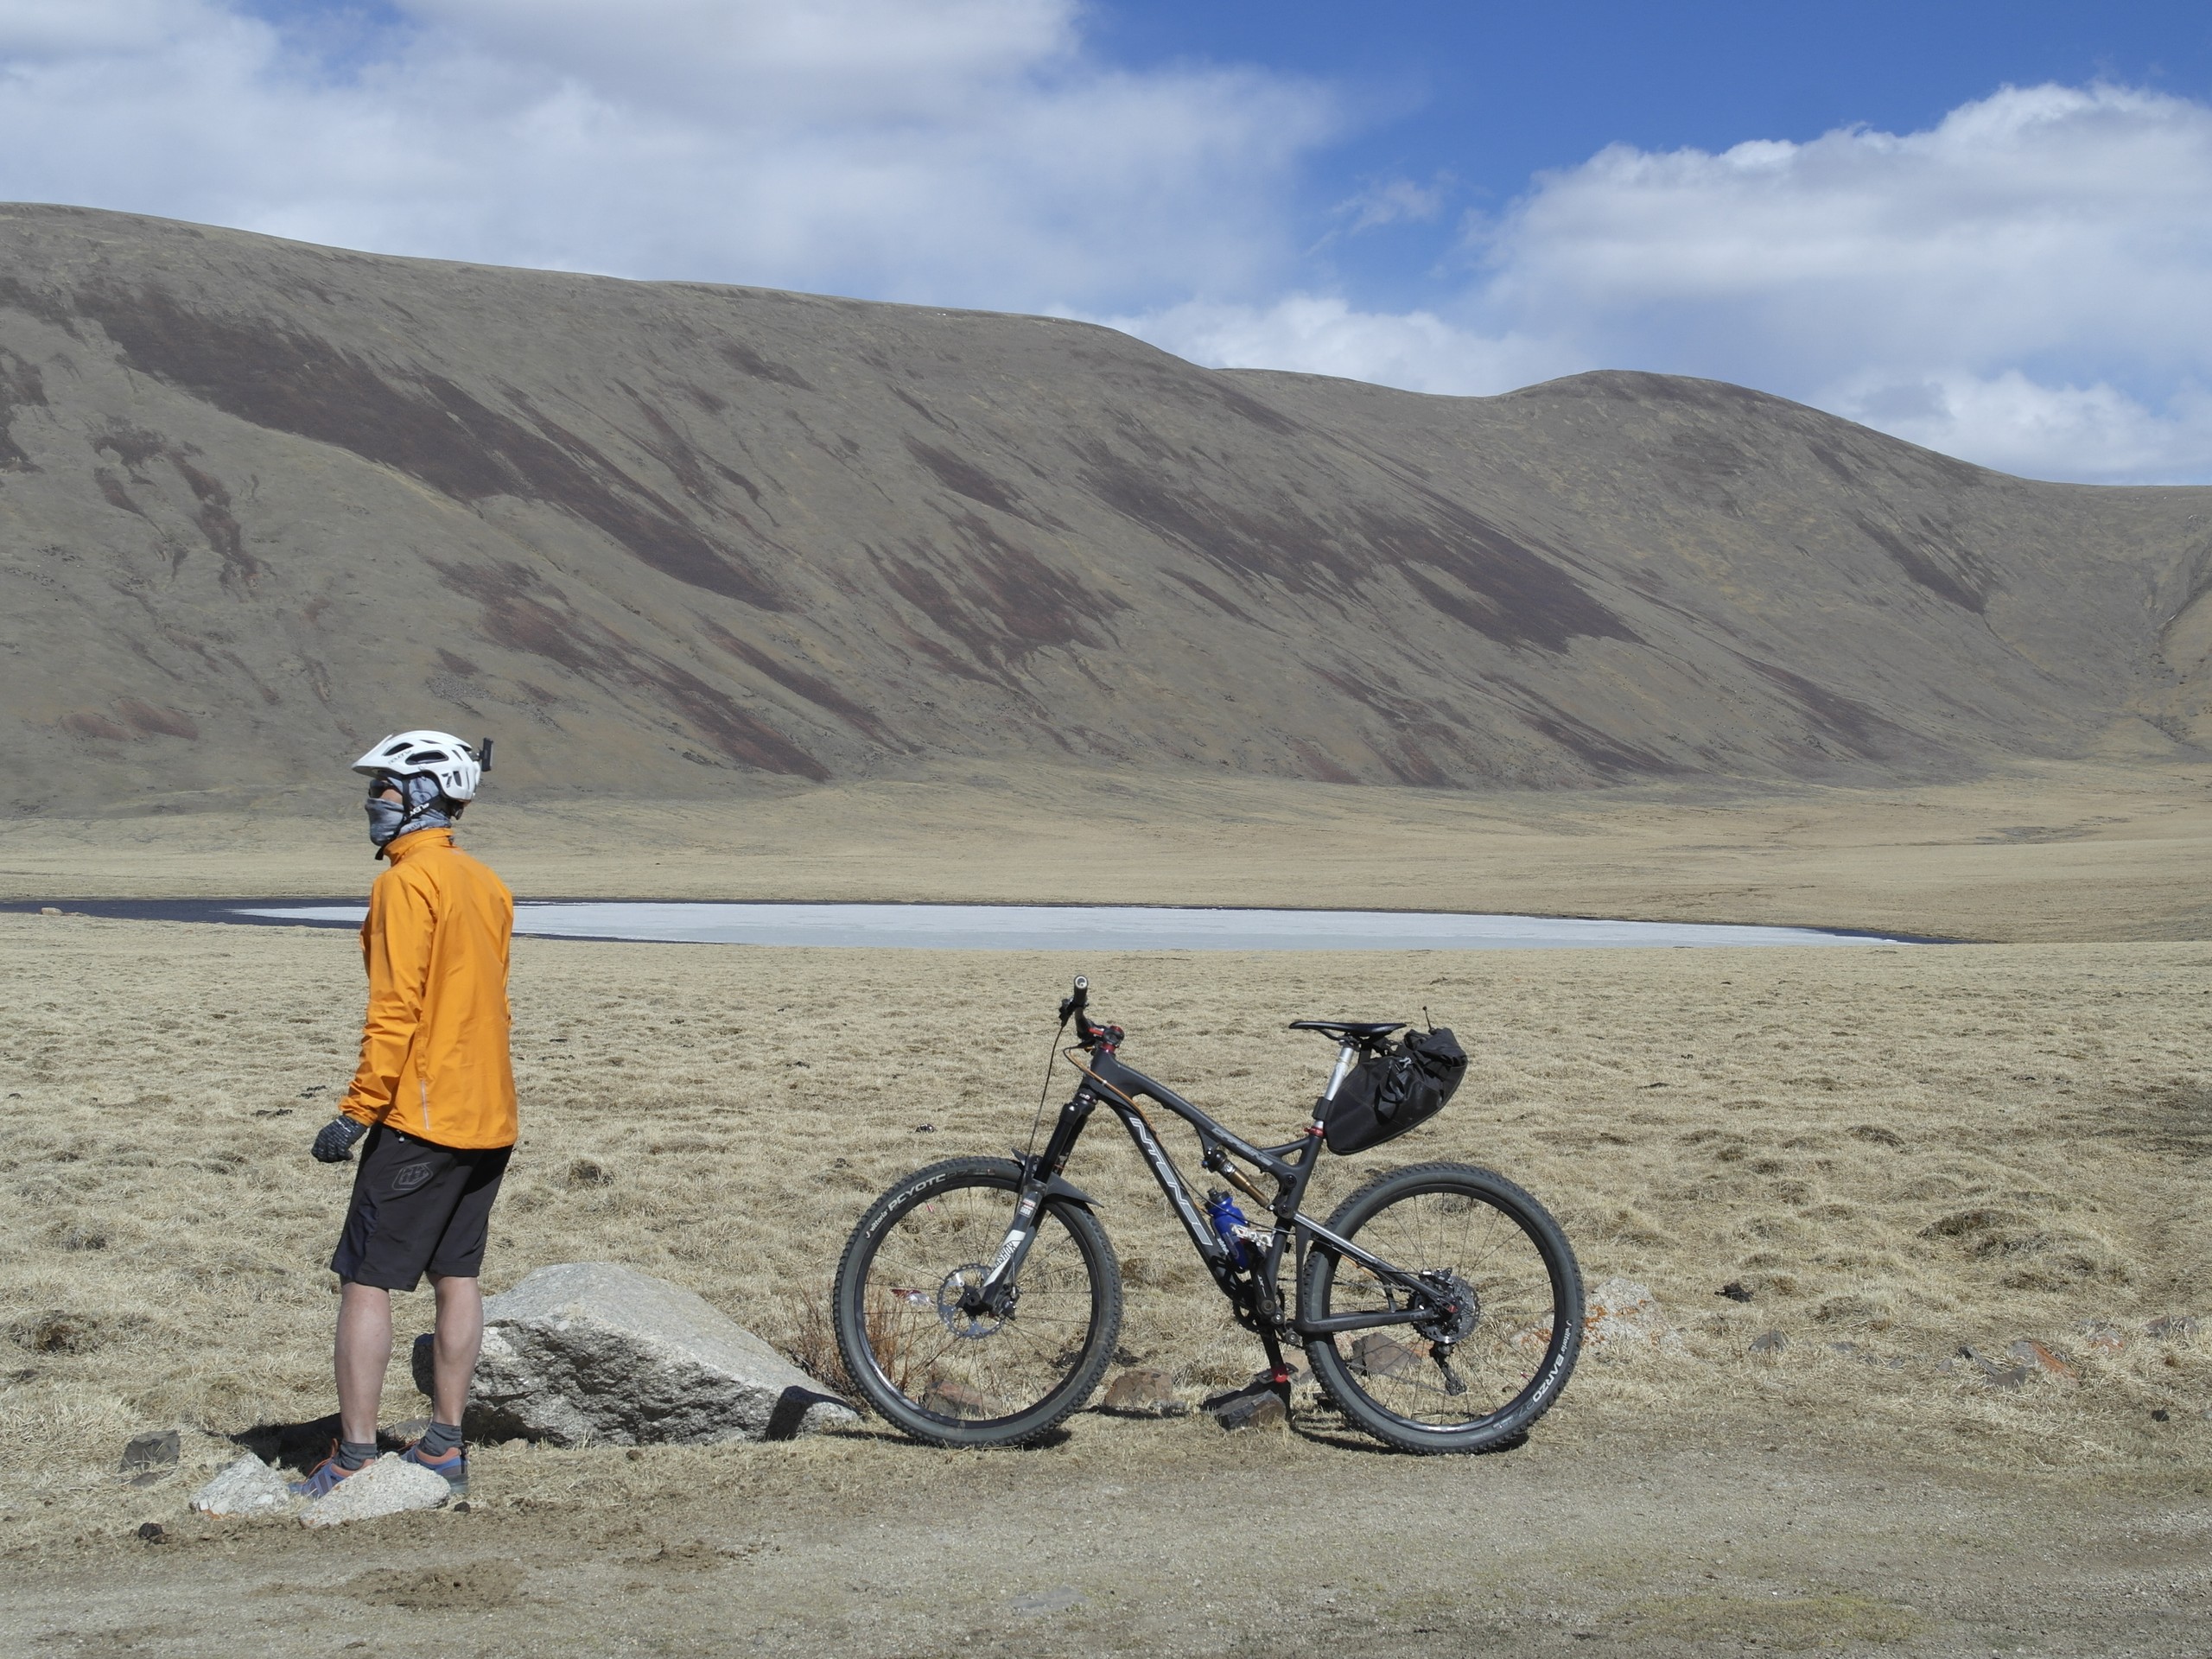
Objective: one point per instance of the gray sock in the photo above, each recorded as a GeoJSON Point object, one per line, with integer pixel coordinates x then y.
{"type": "Point", "coordinates": [352, 1455]}
{"type": "Point", "coordinates": [440, 1440]}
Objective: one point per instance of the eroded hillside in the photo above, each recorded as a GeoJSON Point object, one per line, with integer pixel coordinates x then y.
{"type": "Point", "coordinates": [261, 501]}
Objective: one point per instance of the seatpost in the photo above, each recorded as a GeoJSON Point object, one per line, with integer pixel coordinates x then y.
{"type": "Point", "coordinates": [1346, 1058]}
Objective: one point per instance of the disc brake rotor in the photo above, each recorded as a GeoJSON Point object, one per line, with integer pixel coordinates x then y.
{"type": "Point", "coordinates": [959, 1304]}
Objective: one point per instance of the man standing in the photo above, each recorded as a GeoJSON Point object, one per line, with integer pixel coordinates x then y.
{"type": "Point", "coordinates": [435, 1095]}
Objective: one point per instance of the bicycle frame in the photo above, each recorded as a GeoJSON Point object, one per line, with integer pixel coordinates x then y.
{"type": "Point", "coordinates": [1291, 1165]}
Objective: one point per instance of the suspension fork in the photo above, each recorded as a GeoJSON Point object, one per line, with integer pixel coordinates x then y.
{"type": "Point", "coordinates": [1038, 1175]}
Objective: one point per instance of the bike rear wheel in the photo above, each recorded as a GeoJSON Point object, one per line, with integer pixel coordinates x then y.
{"type": "Point", "coordinates": [1486, 1249]}
{"type": "Point", "coordinates": [972, 1378]}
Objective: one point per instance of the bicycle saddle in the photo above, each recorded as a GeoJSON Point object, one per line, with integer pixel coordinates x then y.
{"type": "Point", "coordinates": [1350, 1027]}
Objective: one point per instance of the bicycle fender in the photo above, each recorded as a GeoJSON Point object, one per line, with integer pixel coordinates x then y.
{"type": "Point", "coordinates": [1060, 1187]}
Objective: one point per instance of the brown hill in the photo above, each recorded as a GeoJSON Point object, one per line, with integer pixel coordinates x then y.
{"type": "Point", "coordinates": [261, 501]}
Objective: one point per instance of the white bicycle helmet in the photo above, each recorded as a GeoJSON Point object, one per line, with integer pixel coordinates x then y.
{"type": "Point", "coordinates": [437, 755]}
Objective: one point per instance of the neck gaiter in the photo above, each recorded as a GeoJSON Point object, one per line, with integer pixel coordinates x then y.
{"type": "Point", "coordinates": [424, 807]}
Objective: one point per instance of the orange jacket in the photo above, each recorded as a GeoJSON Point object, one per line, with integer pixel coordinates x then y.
{"type": "Point", "coordinates": [434, 1048]}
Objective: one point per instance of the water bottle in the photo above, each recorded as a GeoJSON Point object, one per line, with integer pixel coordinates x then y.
{"type": "Point", "coordinates": [1228, 1219]}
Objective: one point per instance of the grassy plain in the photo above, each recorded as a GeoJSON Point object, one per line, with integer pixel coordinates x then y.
{"type": "Point", "coordinates": [2056, 851]}
{"type": "Point", "coordinates": [1899, 1151]}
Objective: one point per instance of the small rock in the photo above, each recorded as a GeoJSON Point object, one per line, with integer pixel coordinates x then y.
{"type": "Point", "coordinates": [950, 1398]}
{"type": "Point", "coordinates": [1623, 1315]}
{"type": "Point", "coordinates": [1250, 1408]}
{"type": "Point", "coordinates": [2174, 1327]}
{"type": "Point", "coordinates": [47, 910]}
{"type": "Point", "coordinates": [154, 1451]}
{"type": "Point", "coordinates": [152, 1531]}
{"type": "Point", "coordinates": [2102, 1336]}
{"type": "Point", "coordinates": [1058, 1599]}
{"type": "Point", "coordinates": [247, 1487]}
{"type": "Point", "coordinates": [1144, 1392]}
{"type": "Point", "coordinates": [1533, 1339]}
{"type": "Point", "coordinates": [1994, 1371]}
{"type": "Point", "coordinates": [1376, 1355]}
{"type": "Point", "coordinates": [1735, 1290]}
{"type": "Point", "coordinates": [390, 1485]}
{"type": "Point", "coordinates": [2029, 1351]}
{"type": "Point", "coordinates": [1769, 1342]}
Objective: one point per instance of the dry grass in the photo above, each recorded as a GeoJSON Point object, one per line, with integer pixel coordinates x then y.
{"type": "Point", "coordinates": [1903, 1150]}
{"type": "Point", "coordinates": [2050, 852]}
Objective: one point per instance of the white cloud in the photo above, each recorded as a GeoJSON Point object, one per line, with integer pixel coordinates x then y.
{"type": "Point", "coordinates": [2022, 285]}
{"type": "Point", "coordinates": [1391, 202]}
{"type": "Point", "coordinates": [1323, 334]}
{"type": "Point", "coordinates": [873, 61]}
{"type": "Point", "coordinates": [2043, 221]}
{"type": "Point", "coordinates": [963, 151]}
{"type": "Point", "coordinates": [2093, 433]}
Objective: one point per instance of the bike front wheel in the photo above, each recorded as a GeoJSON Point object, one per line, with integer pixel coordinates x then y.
{"type": "Point", "coordinates": [928, 1359]}
{"type": "Point", "coordinates": [1463, 1380]}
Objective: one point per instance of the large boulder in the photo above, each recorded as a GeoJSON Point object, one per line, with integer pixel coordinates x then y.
{"type": "Point", "coordinates": [596, 1352]}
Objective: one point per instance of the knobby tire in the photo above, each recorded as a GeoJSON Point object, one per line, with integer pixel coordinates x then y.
{"type": "Point", "coordinates": [1522, 1346]}
{"type": "Point", "coordinates": [911, 1360]}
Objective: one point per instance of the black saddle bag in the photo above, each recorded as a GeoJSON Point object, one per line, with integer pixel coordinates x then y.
{"type": "Point", "coordinates": [1389, 1093]}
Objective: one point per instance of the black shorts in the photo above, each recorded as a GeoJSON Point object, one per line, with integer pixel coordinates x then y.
{"type": "Point", "coordinates": [417, 1208]}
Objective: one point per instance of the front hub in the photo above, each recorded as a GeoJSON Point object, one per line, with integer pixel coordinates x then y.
{"type": "Point", "coordinates": [969, 1311]}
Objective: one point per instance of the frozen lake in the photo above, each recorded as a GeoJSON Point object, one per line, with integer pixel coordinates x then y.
{"type": "Point", "coordinates": [1078, 927]}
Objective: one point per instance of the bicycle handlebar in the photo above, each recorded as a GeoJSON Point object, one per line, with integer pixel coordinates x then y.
{"type": "Point", "coordinates": [1086, 1033]}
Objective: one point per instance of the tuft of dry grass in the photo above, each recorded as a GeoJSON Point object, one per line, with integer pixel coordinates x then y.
{"type": "Point", "coordinates": [810, 1340]}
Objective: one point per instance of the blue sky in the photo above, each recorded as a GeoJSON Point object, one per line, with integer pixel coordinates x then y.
{"type": "Point", "coordinates": [1487, 95]}
{"type": "Point", "coordinates": [1984, 227]}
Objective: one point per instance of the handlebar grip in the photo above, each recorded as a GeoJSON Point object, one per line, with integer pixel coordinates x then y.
{"type": "Point", "coordinates": [1073, 1004]}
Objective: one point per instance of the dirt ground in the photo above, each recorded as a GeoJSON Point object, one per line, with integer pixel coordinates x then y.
{"type": "Point", "coordinates": [1899, 1151]}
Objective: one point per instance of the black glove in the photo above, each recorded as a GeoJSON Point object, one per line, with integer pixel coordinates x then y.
{"type": "Point", "coordinates": [334, 1144]}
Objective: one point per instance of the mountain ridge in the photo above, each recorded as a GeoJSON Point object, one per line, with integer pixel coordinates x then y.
{"type": "Point", "coordinates": [261, 501]}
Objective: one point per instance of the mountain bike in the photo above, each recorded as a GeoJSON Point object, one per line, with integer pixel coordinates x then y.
{"type": "Point", "coordinates": [978, 1301]}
